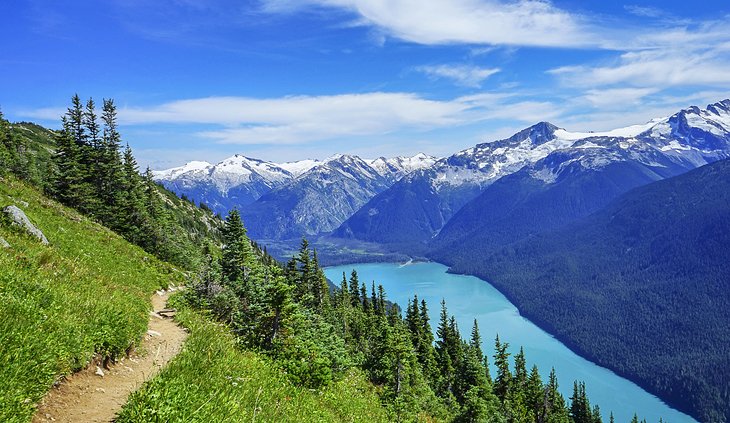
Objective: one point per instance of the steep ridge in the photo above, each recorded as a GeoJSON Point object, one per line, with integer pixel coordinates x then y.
{"type": "Point", "coordinates": [239, 181]}
{"type": "Point", "coordinates": [573, 182]}
{"type": "Point", "coordinates": [542, 158]}
{"type": "Point", "coordinates": [235, 181]}
{"type": "Point", "coordinates": [317, 201]}
{"type": "Point", "coordinates": [646, 283]}
{"type": "Point", "coordinates": [414, 209]}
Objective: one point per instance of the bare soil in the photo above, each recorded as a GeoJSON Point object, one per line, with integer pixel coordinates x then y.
{"type": "Point", "coordinates": [87, 396]}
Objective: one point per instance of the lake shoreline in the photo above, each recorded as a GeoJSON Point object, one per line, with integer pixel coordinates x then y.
{"type": "Point", "coordinates": [542, 326]}
{"type": "Point", "coordinates": [549, 328]}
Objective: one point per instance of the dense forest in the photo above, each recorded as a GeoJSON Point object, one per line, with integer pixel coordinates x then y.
{"type": "Point", "coordinates": [317, 333]}
{"type": "Point", "coordinates": [313, 332]}
{"type": "Point", "coordinates": [640, 287]}
{"type": "Point", "coordinates": [84, 166]}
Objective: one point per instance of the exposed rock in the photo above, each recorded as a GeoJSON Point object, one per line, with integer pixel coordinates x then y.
{"type": "Point", "coordinates": [99, 372]}
{"type": "Point", "coordinates": [153, 333]}
{"type": "Point", "coordinates": [3, 243]}
{"type": "Point", "coordinates": [19, 218]}
{"type": "Point", "coordinates": [168, 312]}
{"type": "Point", "coordinates": [24, 204]}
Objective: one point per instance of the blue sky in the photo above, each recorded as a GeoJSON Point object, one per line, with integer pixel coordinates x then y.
{"type": "Point", "coordinates": [292, 79]}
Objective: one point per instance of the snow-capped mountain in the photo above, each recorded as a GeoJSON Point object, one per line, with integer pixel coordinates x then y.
{"type": "Point", "coordinates": [418, 206]}
{"type": "Point", "coordinates": [235, 181]}
{"type": "Point", "coordinates": [397, 167]}
{"type": "Point", "coordinates": [239, 181]}
{"type": "Point", "coordinates": [319, 200]}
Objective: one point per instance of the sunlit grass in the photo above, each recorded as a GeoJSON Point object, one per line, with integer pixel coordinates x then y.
{"type": "Point", "coordinates": [213, 381]}
{"type": "Point", "coordinates": [86, 293]}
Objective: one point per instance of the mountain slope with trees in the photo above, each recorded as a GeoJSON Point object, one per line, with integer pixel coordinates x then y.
{"type": "Point", "coordinates": [331, 350]}
{"type": "Point", "coordinates": [640, 286]}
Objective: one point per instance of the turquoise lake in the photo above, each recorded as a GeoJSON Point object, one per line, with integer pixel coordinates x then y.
{"type": "Point", "coordinates": [469, 298]}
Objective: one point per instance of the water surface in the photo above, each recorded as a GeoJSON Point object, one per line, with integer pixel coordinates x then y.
{"type": "Point", "coordinates": [469, 298]}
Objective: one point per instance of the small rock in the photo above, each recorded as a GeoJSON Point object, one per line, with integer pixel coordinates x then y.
{"type": "Point", "coordinates": [23, 203]}
{"type": "Point", "coordinates": [19, 218]}
{"type": "Point", "coordinates": [102, 390]}
{"type": "Point", "coordinates": [99, 372]}
{"type": "Point", "coordinates": [168, 312]}
{"type": "Point", "coordinates": [153, 333]}
{"type": "Point", "coordinates": [3, 243]}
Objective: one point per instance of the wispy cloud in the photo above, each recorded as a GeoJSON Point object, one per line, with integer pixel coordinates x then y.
{"type": "Point", "coordinates": [463, 75]}
{"type": "Point", "coordinates": [617, 97]}
{"type": "Point", "coordinates": [303, 119]}
{"type": "Point", "coordinates": [659, 68]}
{"type": "Point", "coordinates": [514, 23]}
{"type": "Point", "coordinates": [645, 11]}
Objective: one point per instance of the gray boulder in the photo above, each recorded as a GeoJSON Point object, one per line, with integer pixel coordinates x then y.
{"type": "Point", "coordinates": [3, 243]}
{"type": "Point", "coordinates": [18, 217]}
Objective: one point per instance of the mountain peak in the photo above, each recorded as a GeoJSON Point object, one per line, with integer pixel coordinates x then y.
{"type": "Point", "coordinates": [539, 132]}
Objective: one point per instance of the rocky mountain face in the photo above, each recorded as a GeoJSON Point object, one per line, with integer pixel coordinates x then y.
{"type": "Point", "coordinates": [537, 179]}
{"type": "Point", "coordinates": [631, 274]}
{"type": "Point", "coordinates": [289, 200]}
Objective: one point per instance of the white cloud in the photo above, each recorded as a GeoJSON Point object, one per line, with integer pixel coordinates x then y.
{"type": "Point", "coordinates": [306, 119]}
{"type": "Point", "coordinates": [658, 68]}
{"type": "Point", "coordinates": [432, 22]}
{"type": "Point", "coordinates": [617, 97]}
{"type": "Point", "coordinates": [464, 75]}
{"type": "Point", "coordinates": [300, 119]}
{"type": "Point", "coordinates": [645, 11]}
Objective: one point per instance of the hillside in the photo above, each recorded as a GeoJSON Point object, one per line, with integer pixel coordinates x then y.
{"type": "Point", "coordinates": [646, 283]}
{"type": "Point", "coordinates": [86, 293]}
{"type": "Point", "coordinates": [546, 176]}
{"type": "Point", "coordinates": [86, 296]}
{"type": "Point", "coordinates": [526, 203]}
{"type": "Point", "coordinates": [306, 350]}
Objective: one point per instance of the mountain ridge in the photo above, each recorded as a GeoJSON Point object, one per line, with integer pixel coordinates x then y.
{"type": "Point", "coordinates": [632, 274]}
{"type": "Point", "coordinates": [433, 196]}
{"type": "Point", "coordinates": [238, 181]}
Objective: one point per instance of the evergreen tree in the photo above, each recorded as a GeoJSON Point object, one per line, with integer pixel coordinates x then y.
{"type": "Point", "coordinates": [476, 341]}
{"type": "Point", "coordinates": [445, 361]}
{"type": "Point", "coordinates": [111, 168]}
{"type": "Point", "coordinates": [554, 408]}
{"type": "Point", "coordinates": [596, 414]}
{"type": "Point", "coordinates": [91, 123]}
{"type": "Point", "coordinates": [234, 240]}
{"type": "Point", "coordinates": [134, 219]}
{"type": "Point", "coordinates": [303, 290]}
{"type": "Point", "coordinates": [344, 292]}
{"type": "Point", "coordinates": [503, 378]}
{"type": "Point", "coordinates": [580, 409]}
{"type": "Point", "coordinates": [355, 289]}
{"type": "Point", "coordinates": [75, 121]}
{"type": "Point", "coordinates": [535, 395]}
{"type": "Point", "coordinates": [426, 352]}
{"type": "Point", "coordinates": [68, 179]}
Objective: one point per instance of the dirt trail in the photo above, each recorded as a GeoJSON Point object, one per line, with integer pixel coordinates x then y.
{"type": "Point", "coordinates": [89, 397]}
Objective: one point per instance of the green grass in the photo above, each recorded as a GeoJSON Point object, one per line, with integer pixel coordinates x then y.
{"type": "Point", "coordinates": [213, 381]}
{"type": "Point", "coordinates": [85, 294]}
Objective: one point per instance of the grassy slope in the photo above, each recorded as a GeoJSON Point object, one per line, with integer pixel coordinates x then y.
{"type": "Point", "coordinates": [213, 381]}
{"type": "Point", "coordinates": [86, 293]}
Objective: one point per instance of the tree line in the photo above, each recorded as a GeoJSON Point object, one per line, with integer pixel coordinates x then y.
{"type": "Point", "coordinates": [85, 165]}
{"type": "Point", "coordinates": [317, 332]}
